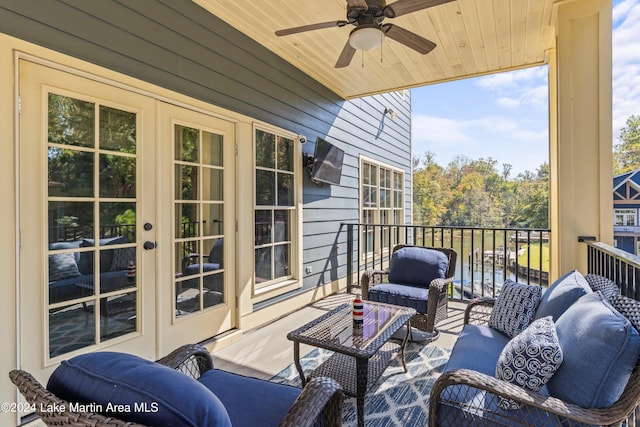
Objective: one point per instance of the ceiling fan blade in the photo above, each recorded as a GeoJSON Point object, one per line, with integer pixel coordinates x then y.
{"type": "Point", "coordinates": [408, 38]}
{"type": "Point", "coordinates": [310, 27]}
{"type": "Point", "coordinates": [403, 7]}
{"type": "Point", "coordinates": [357, 4]}
{"type": "Point", "coordinates": [345, 56]}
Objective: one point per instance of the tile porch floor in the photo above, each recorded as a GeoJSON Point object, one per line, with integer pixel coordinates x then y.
{"type": "Point", "coordinates": [265, 351]}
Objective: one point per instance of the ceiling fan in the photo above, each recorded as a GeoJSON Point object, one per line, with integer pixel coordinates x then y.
{"type": "Point", "coordinates": [367, 17]}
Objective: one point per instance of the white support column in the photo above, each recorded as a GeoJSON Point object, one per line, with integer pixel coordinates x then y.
{"type": "Point", "coordinates": [581, 158]}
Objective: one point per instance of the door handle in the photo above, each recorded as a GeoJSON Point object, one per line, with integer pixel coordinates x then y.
{"type": "Point", "coordinates": [149, 245]}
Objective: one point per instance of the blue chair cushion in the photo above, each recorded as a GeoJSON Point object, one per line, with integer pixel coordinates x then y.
{"type": "Point", "coordinates": [406, 296]}
{"type": "Point", "coordinates": [152, 394]}
{"type": "Point", "coordinates": [250, 401]}
{"type": "Point", "coordinates": [562, 294]}
{"type": "Point", "coordinates": [416, 266]}
{"type": "Point", "coordinates": [195, 268]}
{"type": "Point", "coordinates": [600, 348]}
{"type": "Point", "coordinates": [478, 348]}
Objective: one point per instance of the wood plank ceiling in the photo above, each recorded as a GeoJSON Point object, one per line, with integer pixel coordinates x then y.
{"type": "Point", "coordinates": [473, 37]}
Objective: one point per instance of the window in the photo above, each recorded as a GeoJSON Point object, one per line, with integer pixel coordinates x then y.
{"type": "Point", "coordinates": [624, 216]}
{"type": "Point", "coordinates": [381, 203]}
{"type": "Point", "coordinates": [275, 208]}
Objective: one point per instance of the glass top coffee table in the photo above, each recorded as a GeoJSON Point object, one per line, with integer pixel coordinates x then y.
{"type": "Point", "coordinates": [361, 352]}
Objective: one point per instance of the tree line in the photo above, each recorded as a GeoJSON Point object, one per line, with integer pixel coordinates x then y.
{"type": "Point", "coordinates": [477, 193]}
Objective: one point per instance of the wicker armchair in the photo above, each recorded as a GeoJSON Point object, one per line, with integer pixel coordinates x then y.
{"type": "Point", "coordinates": [320, 398]}
{"type": "Point", "coordinates": [537, 409]}
{"type": "Point", "coordinates": [437, 298]}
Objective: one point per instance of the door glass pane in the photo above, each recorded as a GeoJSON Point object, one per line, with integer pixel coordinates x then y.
{"type": "Point", "coordinates": [117, 315]}
{"type": "Point", "coordinates": [71, 327]}
{"type": "Point", "coordinates": [71, 121]}
{"type": "Point", "coordinates": [186, 182]}
{"type": "Point", "coordinates": [117, 176]}
{"type": "Point", "coordinates": [212, 221]}
{"type": "Point", "coordinates": [70, 221]}
{"type": "Point", "coordinates": [70, 173]}
{"type": "Point", "coordinates": [212, 184]}
{"type": "Point", "coordinates": [118, 219]}
{"type": "Point", "coordinates": [117, 130]}
{"type": "Point", "coordinates": [186, 143]}
{"type": "Point", "coordinates": [211, 149]}
{"type": "Point", "coordinates": [187, 220]}
{"type": "Point", "coordinates": [92, 259]}
{"type": "Point", "coordinates": [213, 289]}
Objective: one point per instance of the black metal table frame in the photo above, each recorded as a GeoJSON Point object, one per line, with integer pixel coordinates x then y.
{"type": "Point", "coordinates": [340, 366]}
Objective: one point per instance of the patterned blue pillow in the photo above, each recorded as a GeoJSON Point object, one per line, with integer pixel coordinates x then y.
{"type": "Point", "coordinates": [515, 307]}
{"type": "Point", "coordinates": [530, 359]}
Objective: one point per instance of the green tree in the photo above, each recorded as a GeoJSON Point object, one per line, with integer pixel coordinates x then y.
{"type": "Point", "coordinates": [626, 154]}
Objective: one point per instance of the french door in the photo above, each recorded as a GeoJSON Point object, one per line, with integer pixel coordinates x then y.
{"type": "Point", "coordinates": [197, 182]}
{"type": "Point", "coordinates": [86, 283]}
{"type": "Point", "coordinates": [126, 221]}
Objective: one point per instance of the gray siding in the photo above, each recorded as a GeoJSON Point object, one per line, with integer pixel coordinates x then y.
{"type": "Point", "coordinates": [177, 45]}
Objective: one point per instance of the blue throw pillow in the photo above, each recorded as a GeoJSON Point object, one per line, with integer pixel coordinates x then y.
{"type": "Point", "coordinates": [150, 393]}
{"type": "Point", "coordinates": [515, 307]}
{"type": "Point", "coordinates": [561, 294]}
{"type": "Point", "coordinates": [417, 266]}
{"type": "Point", "coordinates": [600, 348]}
{"type": "Point", "coordinates": [530, 359]}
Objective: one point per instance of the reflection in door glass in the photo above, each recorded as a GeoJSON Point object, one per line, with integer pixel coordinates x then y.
{"type": "Point", "coordinates": [198, 229]}
{"type": "Point", "coordinates": [92, 257]}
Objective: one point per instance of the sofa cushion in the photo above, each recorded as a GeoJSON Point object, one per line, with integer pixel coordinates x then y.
{"type": "Point", "coordinates": [600, 348]}
{"type": "Point", "coordinates": [107, 378]}
{"type": "Point", "coordinates": [628, 307]}
{"type": "Point", "coordinates": [478, 348]}
{"type": "Point", "coordinates": [63, 266]}
{"type": "Point", "coordinates": [561, 294]}
{"type": "Point", "coordinates": [530, 359]}
{"type": "Point", "coordinates": [250, 401]}
{"type": "Point", "coordinates": [417, 266]}
{"type": "Point", "coordinates": [403, 295]}
{"type": "Point", "coordinates": [106, 256]}
{"type": "Point", "coordinates": [607, 287]}
{"type": "Point", "coordinates": [515, 307]}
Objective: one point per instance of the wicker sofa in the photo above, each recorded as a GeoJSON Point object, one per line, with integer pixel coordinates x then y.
{"type": "Point", "coordinates": [597, 382]}
{"type": "Point", "coordinates": [183, 388]}
{"type": "Point", "coordinates": [418, 277]}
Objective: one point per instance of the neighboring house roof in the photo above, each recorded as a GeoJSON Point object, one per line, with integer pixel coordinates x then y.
{"type": "Point", "coordinates": [626, 188]}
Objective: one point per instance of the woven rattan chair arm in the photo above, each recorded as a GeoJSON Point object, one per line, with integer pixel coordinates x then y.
{"type": "Point", "coordinates": [478, 308]}
{"type": "Point", "coordinates": [440, 284]}
{"type": "Point", "coordinates": [369, 278]}
{"type": "Point", "coordinates": [320, 396]}
{"type": "Point", "coordinates": [55, 411]}
{"type": "Point", "coordinates": [478, 380]}
{"type": "Point", "coordinates": [191, 359]}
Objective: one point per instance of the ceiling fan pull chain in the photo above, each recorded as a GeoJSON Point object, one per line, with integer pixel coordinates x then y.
{"type": "Point", "coordinates": [381, 44]}
{"type": "Point", "coordinates": [362, 53]}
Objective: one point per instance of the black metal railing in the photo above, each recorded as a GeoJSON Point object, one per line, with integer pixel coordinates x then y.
{"type": "Point", "coordinates": [486, 256]}
{"type": "Point", "coordinates": [615, 264]}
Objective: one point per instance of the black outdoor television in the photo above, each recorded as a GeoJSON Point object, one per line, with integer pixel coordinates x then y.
{"type": "Point", "coordinates": [327, 163]}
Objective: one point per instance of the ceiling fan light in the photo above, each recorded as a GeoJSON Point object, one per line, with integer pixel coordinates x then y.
{"type": "Point", "coordinates": [366, 38]}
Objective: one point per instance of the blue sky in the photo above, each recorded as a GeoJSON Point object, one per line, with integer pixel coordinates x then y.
{"type": "Point", "coordinates": [505, 116]}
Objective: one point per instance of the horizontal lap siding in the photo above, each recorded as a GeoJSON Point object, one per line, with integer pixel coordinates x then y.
{"type": "Point", "coordinates": [178, 45]}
